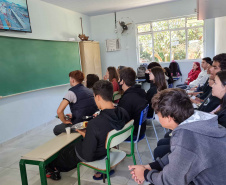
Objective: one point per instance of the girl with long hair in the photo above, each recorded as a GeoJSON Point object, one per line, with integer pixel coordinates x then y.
{"type": "Point", "coordinates": [112, 75]}
{"type": "Point", "coordinates": [219, 90]}
{"type": "Point", "coordinates": [157, 77]}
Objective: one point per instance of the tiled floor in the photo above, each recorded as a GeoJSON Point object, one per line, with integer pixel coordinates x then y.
{"type": "Point", "coordinates": [11, 151]}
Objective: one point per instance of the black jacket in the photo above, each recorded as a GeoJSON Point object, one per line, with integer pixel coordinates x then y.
{"type": "Point", "coordinates": [151, 92]}
{"type": "Point", "coordinates": [206, 90]}
{"type": "Point", "coordinates": [93, 145]}
{"type": "Point", "coordinates": [210, 103]}
{"type": "Point", "coordinates": [134, 101]}
{"type": "Point", "coordinates": [222, 117]}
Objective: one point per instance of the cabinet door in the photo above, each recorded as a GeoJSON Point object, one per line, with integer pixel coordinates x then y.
{"type": "Point", "coordinates": [97, 61]}
{"type": "Point", "coordinates": [87, 57]}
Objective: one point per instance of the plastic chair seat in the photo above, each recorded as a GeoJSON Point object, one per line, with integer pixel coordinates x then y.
{"type": "Point", "coordinates": [116, 157]}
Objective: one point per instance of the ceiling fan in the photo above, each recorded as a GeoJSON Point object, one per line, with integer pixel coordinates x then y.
{"type": "Point", "coordinates": [124, 25]}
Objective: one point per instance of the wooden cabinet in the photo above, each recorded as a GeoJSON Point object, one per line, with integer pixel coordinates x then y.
{"type": "Point", "coordinates": [90, 58]}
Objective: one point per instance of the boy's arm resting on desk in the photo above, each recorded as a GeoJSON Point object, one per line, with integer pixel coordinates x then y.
{"type": "Point", "coordinates": [60, 111]}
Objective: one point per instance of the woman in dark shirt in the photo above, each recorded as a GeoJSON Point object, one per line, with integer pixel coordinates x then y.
{"type": "Point", "coordinates": [219, 90]}
{"type": "Point", "coordinates": [157, 77]}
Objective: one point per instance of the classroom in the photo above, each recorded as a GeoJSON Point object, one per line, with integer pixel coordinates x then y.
{"type": "Point", "coordinates": [27, 118]}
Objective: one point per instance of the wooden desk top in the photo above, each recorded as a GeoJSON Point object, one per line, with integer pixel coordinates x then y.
{"type": "Point", "coordinates": [51, 147]}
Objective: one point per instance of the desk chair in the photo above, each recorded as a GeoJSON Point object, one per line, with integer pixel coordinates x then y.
{"type": "Point", "coordinates": [143, 117]}
{"type": "Point", "coordinates": [114, 156]}
{"type": "Point", "coordinates": [153, 125]}
{"type": "Point", "coordinates": [116, 96]}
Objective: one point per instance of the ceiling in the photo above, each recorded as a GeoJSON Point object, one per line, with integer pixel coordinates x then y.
{"type": "Point", "coordinates": [208, 9]}
{"type": "Point", "coordinates": [98, 7]}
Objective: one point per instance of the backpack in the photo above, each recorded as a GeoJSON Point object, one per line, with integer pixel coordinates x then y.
{"type": "Point", "coordinates": [141, 71]}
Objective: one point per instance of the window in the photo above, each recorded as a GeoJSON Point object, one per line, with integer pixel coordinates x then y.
{"type": "Point", "coordinates": [167, 40]}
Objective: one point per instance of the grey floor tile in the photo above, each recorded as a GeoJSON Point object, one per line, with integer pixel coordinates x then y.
{"type": "Point", "coordinates": [9, 156]}
{"type": "Point", "coordinates": [65, 180]}
{"type": "Point", "coordinates": [30, 141]}
{"type": "Point", "coordinates": [29, 167]}
{"type": "Point", "coordinates": [12, 176]}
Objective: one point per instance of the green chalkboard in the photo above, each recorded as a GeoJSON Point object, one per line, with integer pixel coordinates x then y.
{"type": "Point", "coordinates": [28, 64]}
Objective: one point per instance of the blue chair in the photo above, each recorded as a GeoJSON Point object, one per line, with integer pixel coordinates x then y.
{"type": "Point", "coordinates": [143, 118]}
{"type": "Point", "coordinates": [153, 125]}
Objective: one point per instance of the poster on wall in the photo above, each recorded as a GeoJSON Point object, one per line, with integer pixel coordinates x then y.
{"type": "Point", "coordinates": [14, 15]}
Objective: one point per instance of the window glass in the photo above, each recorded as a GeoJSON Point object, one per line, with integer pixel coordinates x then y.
{"type": "Point", "coordinates": [192, 21]}
{"type": "Point", "coordinates": [161, 25]}
{"type": "Point", "coordinates": [145, 48]}
{"type": "Point", "coordinates": [177, 23]}
{"type": "Point", "coordinates": [143, 28]}
{"type": "Point", "coordinates": [195, 43]}
{"type": "Point", "coordinates": [162, 46]}
{"type": "Point", "coordinates": [178, 45]}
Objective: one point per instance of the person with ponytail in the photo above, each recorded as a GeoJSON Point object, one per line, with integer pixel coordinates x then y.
{"type": "Point", "coordinates": [219, 90]}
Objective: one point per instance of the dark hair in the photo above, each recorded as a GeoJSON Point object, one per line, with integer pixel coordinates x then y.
{"type": "Point", "coordinates": [90, 80]}
{"type": "Point", "coordinates": [168, 73]}
{"type": "Point", "coordinates": [112, 73]}
{"type": "Point", "coordinates": [153, 64]}
{"type": "Point", "coordinates": [159, 80]}
{"type": "Point", "coordinates": [121, 67]}
{"type": "Point", "coordinates": [208, 60]}
{"type": "Point", "coordinates": [173, 102]}
{"type": "Point", "coordinates": [222, 76]}
{"type": "Point", "coordinates": [221, 58]}
{"type": "Point", "coordinates": [77, 75]}
{"type": "Point", "coordinates": [103, 88]}
{"type": "Point", "coordinates": [128, 75]}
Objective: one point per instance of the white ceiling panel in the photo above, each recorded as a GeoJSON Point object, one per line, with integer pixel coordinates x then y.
{"type": "Point", "coordinates": [98, 7]}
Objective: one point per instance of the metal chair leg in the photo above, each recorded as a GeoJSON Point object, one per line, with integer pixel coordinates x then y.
{"type": "Point", "coordinates": [78, 172]}
{"type": "Point", "coordinates": [149, 147]}
{"type": "Point", "coordinates": [156, 135]}
{"type": "Point", "coordinates": [138, 153]}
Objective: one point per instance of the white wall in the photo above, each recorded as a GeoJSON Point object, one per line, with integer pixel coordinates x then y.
{"type": "Point", "coordinates": [50, 22]}
{"type": "Point", "coordinates": [21, 113]}
{"type": "Point", "coordinates": [103, 27]}
{"type": "Point", "coordinates": [220, 35]}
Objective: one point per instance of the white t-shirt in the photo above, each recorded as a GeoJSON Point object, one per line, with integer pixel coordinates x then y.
{"type": "Point", "coordinates": [203, 76]}
{"type": "Point", "coordinates": [71, 97]}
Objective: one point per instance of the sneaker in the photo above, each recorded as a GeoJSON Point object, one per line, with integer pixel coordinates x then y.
{"type": "Point", "coordinates": [55, 175]}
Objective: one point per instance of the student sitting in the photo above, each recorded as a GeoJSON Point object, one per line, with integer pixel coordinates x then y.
{"type": "Point", "coordinates": [91, 79]}
{"type": "Point", "coordinates": [197, 145]}
{"type": "Point", "coordinates": [133, 100]}
{"type": "Point", "coordinates": [203, 76]}
{"type": "Point", "coordinates": [210, 102]}
{"type": "Point", "coordinates": [81, 102]}
{"type": "Point", "coordinates": [170, 78]}
{"type": "Point", "coordinates": [112, 75]}
{"type": "Point", "coordinates": [157, 77]}
{"type": "Point", "coordinates": [150, 66]}
{"type": "Point", "coordinates": [192, 75]}
{"type": "Point", "coordinates": [92, 147]}
{"type": "Point", "coordinates": [219, 90]}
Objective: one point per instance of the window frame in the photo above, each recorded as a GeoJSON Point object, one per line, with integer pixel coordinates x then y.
{"type": "Point", "coordinates": [186, 28]}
